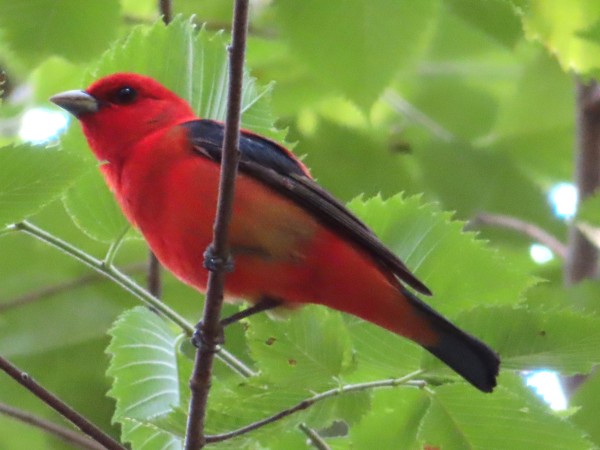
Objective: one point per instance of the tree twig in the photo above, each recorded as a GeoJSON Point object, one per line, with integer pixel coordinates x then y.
{"type": "Point", "coordinates": [59, 406]}
{"type": "Point", "coordinates": [58, 288]}
{"type": "Point", "coordinates": [218, 253]}
{"type": "Point", "coordinates": [126, 283]}
{"type": "Point", "coordinates": [528, 229]}
{"type": "Point", "coordinates": [108, 271]}
{"type": "Point", "coordinates": [154, 279]}
{"type": "Point", "coordinates": [166, 10]}
{"type": "Point", "coordinates": [316, 440]}
{"type": "Point", "coordinates": [407, 380]}
{"type": "Point", "coordinates": [67, 435]}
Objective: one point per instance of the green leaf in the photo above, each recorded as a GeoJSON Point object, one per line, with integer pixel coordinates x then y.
{"type": "Point", "coordinates": [198, 74]}
{"type": "Point", "coordinates": [36, 29]}
{"type": "Point", "coordinates": [437, 99]}
{"type": "Point", "coordinates": [145, 372]}
{"type": "Point", "coordinates": [592, 33]}
{"type": "Point", "coordinates": [369, 43]}
{"type": "Point", "coordinates": [234, 404]}
{"type": "Point", "coordinates": [558, 24]}
{"type": "Point", "coordinates": [393, 421]}
{"type": "Point", "coordinates": [460, 270]}
{"type": "Point", "coordinates": [78, 380]}
{"type": "Point", "coordinates": [469, 180]}
{"type": "Point", "coordinates": [369, 165]}
{"type": "Point", "coordinates": [588, 210]}
{"type": "Point", "coordinates": [54, 75]}
{"type": "Point", "coordinates": [497, 18]}
{"type": "Point", "coordinates": [460, 417]}
{"type": "Point", "coordinates": [298, 357]}
{"type": "Point", "coordinates": [142, 434]}
{"type": "Point", "coordinates": [529, 339]}
{"type": "Point", "coordinates": [533, 140]}
{"type": "Point", "coordinates": [587, 398]}
{"type": "Point", "coordinates": [380, 354]}
{"type": "Point", "coordinates": [311, 348]}
{"type": "Point", "coordinates": [100, 218]}
{"type": "Point", "coordinates": [30, 178]}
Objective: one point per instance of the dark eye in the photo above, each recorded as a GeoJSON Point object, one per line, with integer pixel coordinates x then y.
{"type": "Point", "coordinates": [124, 95]}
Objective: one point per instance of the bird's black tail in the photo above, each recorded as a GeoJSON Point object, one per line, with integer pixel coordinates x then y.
{"type": "Point", "coordinates": [465, 354]}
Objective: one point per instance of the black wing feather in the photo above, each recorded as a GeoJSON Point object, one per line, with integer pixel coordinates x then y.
{"type": "Point", "coordinates": [270, 164]}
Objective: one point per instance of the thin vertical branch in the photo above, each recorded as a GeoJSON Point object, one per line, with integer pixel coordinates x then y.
{"type": "Point", "coordinates": [59, 406]}
{"type": "Point", "coordinates": [582, 256]}
{"type": "Point", "coordinates": [217, 255]}
{"type": "Point", "coordinates": [166, 10]}
{"type": "Point", "coordinates": [154, 279]}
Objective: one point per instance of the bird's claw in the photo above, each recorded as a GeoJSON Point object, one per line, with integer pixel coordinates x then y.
{"type": "Point", "coordinates": [199, 339]}
{"type": "Point", "coordinates": [215, 263]}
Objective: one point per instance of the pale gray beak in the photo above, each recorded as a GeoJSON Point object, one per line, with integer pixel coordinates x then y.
{"type": "Point", "coordinates": [76, 102]}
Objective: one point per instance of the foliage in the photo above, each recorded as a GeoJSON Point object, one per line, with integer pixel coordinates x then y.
{"type": "Point", "coordinates": [463, 105]}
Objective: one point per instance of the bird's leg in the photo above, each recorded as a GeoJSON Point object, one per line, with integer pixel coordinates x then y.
{"type": "Point", "coordinates": [264, 304]}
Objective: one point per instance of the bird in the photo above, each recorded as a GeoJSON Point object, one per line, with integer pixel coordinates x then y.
{"type": "Point", "coordinates": [292, 242]}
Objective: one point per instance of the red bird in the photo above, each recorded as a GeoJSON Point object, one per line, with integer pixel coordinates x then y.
{"type": "Point", "coordinates": [292, 242]}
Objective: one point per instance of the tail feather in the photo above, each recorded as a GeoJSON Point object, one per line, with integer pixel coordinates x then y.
{"type": "Point", "coordinates": [465, 354]}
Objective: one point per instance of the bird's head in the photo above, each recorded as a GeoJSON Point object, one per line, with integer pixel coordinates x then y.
{"type": "Point", "coordinates": [118, 110]}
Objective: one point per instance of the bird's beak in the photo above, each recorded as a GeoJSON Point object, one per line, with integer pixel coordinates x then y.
{"type": "Point", "coordinates": [76, 102]}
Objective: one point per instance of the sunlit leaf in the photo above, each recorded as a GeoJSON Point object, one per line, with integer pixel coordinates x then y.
{"type": "Point", "coordinates": [310, 349]}
{"type": "Point", "coordinates": [529, 339]}
{"type": "Point", "coordinates": [459, 269]}
{"type": "Point", "coordinates": [558, 24]}
{"type": "Point", "coordinates": [145, 373]}
{"type": "Point", "coordinates": [460, 417]}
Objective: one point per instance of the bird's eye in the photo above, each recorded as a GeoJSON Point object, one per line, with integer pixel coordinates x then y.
{"type": "Point", "coordinates": [124, 95]}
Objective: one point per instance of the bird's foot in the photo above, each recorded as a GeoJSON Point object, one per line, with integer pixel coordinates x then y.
{"type": "Point", "coordinates": [215, 263]}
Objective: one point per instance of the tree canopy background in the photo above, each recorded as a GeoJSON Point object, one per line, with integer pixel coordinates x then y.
{"type": "Point", "coordinates": [423, 115]}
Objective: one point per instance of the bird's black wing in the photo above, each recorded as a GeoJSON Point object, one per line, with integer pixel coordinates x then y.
{"type": "Point", "coordinates": [273, 165]}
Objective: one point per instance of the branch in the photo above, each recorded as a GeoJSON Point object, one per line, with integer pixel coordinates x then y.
{"type": "Point", "coordinates": [528, 229]}
{"type": "Point", "coordinates": [582, 255]}
{"type": "Point", "coordinates": [59, 406]}
{"type": "Point", "coordinates": [63, 433]}
{"type": "Point", "coordinates": [154, 281]}
{"type": "Point", "coordinates": [314, 438]}
{"type": "Point", "coordinates": [407, 380]}
{"type": "Point", "coordinates": [58, 288]}
{"type": "Point", "coordinates": [108, 271]}
{"type": "Point", "coordinates": [217, 254]}
{"type": "Point", "coordinates": [153, 278]}
{"type": "Point", "coordinates": [126, 283]}
{"type": "Point", "coordinates": [166, 10]}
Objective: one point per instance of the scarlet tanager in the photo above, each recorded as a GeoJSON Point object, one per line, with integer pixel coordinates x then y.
{"type": "Point", "coordinates": [292, 242]}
